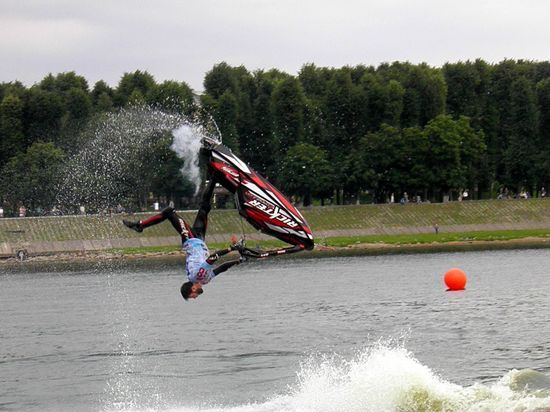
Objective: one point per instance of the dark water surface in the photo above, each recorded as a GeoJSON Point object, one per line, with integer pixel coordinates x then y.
{"type": "Point", "coordinates": [355, 333]}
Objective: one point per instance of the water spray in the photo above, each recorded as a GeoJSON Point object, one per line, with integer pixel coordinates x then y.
{"type": "Point", "coordinates": [117, 158]}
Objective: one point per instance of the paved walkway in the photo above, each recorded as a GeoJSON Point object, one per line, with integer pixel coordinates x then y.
{"type": "Point", "coordinates": [71, 246]}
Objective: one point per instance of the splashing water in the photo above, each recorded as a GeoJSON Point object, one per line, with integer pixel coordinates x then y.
{"type": "Point", "coordinates": [117, 156]}
{"type": "Point", "coordinates": [187, 144]}
{"type": "Point", "coordinates": [380, 378]}
{"type": "Point", "coordinates": [387, 378]}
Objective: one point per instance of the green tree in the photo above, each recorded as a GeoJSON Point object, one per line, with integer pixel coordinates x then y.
{"type": "Point", "coordinates": [288, 105]}
{"type": "Point", "coordinates": [379, 162]}
{"type": "Point", "coordinates": [341, 115]}
{"type": "Point", "coordinates": [79, 104]}
{"type": "Point", "coordinates": [425, 94]}
{"type": "Point", "coordinates": [499, 109]}
{"type": "Point", "coordinates": [313, 80]}
{"type": "Point", "coordinates": [473, 154]}
{"type": "Point", "coordinates": [11, 128]}
{"type": "Point", "coordinates": [305, 172]}
{"type": "Point", "coordinates": [356, 180]}
{"type": "Point", "coordinates": [77, 113]}
{"type": "Point", "coordinates": [314, 83]}
{"type": "Point", "coordinates": [104, 103]}
{"type": "Point", "coordinates": [520, 153]}
{"type": "Point", "coordinates": [259, 147]}
{"type": "Point", "coordinates": [463, 83]}
{"type": "Point", "coordinates": [133, 88]}
{"type": "Point", "coordinates": [542, 160]}
{"type": "Point", "coordinates": [414, 173]}
{"type": "Point", "coordinates": [445, 139]}
{"type": "Point", "coordinates": [63, 82]}
{"type": "Point", "coordinates": [248, 92]}
{"type": "Point", "coordinates": [14, 88]}
{"type": "Point", "coordinates": [220, 79]}
{"type": "Point", "coordinates": [136, 98]}
{"type": "Point", "coordinates": [376, 101]}
{"type": "Point", "coordinates": [226, 118]}
{"type": "Point", "coordinates": [172, 96]}
{"type": "Point", "coordinates": [102, 96]}
{"type": "Point", "coordinates": [43, 111]}
{"type": "Point", "coordinates": [30, 178]}
{"type": "Point", "coordinates": [394, 105]}
{"type": "Point", "coordinates": [543, 100]}
{"type": "Point", "coordinates": [434, 94]}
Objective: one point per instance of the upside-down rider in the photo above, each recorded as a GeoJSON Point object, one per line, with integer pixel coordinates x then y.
{"type": "Point", "coordinates": [199, 263]}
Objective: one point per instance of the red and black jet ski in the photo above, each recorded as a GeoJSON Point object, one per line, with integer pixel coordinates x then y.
{"type": "Point", "coordinates": [258, 201]}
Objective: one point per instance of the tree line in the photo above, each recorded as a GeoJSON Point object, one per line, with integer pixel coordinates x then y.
{"type": "Point", "coordinates": [326, 134]}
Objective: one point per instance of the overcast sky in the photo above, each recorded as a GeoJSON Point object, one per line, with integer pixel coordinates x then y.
{"type": "Point", "coordinates": [182, 39]}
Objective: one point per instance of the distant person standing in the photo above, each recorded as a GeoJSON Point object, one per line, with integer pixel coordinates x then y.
{"type": "Point", "coordinates": [523, 194]}
{"type": "Point", "coordinates": [22, 211]}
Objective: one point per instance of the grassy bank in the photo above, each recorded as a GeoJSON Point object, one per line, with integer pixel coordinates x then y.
{"type": "Point", "coordinates": [487, 224]}
{"type": "Point", "coordinates": [333, 247]}
{"type": "Point", "coordinates": [428, 238]}
{"type": "Point", "coordinates": [374, 218]}
{"type": "Point", "coordinates": [483, 237]}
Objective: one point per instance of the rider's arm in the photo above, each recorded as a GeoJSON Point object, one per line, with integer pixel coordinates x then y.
{"type": "Point", "coordinates": [226, 265]}
{"type": "Point", "coordinates": [217, 254]}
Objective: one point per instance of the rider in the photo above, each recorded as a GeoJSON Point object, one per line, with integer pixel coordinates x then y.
{"type": "Point", "coordinates": [199, 262]}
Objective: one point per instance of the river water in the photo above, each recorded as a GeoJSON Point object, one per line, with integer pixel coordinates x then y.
{"type": "Point", "coordinates": [333, 334]}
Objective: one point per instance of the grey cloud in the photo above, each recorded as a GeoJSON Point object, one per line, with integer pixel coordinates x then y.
{"type": "Point", "coordinates": [183, 39]}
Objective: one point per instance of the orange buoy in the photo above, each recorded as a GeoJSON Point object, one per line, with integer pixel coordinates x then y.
{"type": "Point", "coordinates": [455, 279]}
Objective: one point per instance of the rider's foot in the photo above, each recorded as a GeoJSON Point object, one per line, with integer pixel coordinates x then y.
{"type": "Point", "coordinates": [133, 225]}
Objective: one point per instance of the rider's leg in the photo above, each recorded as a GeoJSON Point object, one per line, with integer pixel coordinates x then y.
{"type": "Point", "coordinates": [169, 213]}
{"type": "Point", "coordinates": [201, 221]}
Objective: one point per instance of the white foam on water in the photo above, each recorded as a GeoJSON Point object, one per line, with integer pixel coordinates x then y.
{"type": "Point", "coordinates": [380, 378]}
{"type": "Point", "coordinates": [387, 378]}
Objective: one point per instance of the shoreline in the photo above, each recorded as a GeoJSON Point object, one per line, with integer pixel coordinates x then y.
{"type": "Point", "coordinates": [320, 251]}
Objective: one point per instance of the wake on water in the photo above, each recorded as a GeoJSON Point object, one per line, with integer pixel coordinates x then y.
{"type": "Point", "coordinates": [389, 378]}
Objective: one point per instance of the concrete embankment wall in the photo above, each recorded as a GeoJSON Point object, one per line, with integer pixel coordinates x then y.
{"type": "Point", "coordinates": [47, 235]}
